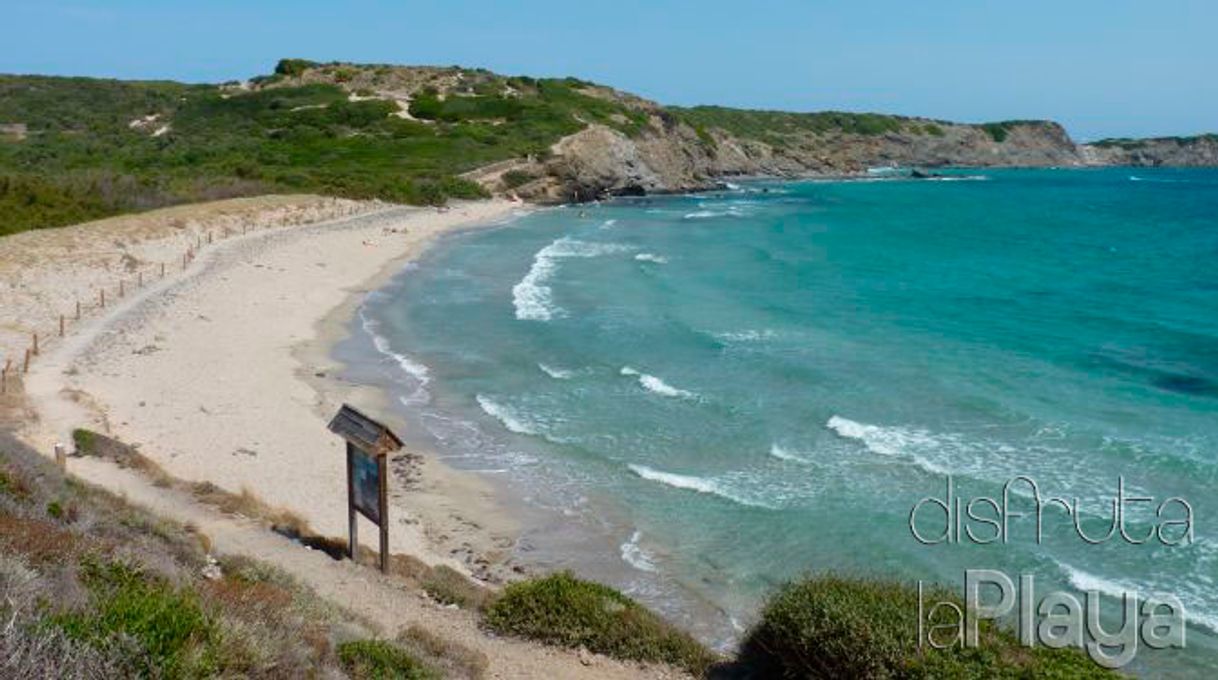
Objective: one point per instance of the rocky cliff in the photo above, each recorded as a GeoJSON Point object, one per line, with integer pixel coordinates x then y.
{"type": "Point", "coordinates": [671, 154]}
{"type": "Point", "coordinates": [621, 144]}
{"type": "Point", "coordinates": [1200, 151]}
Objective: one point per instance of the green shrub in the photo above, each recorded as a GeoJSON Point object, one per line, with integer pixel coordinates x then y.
{"type": "Point", "coordinates": [563, 610]}
{"type": "Point", "coordinates": [705, 137]}
{"type": "Point", "coordinates": [449, 586]}
{"type": "Point", "coordinates": [996, 131]}
{"type": "Point", "coordinates": [294, 67]}
{"type": "Point", "coordinates": [834, 627]}
{"type": "Point", "coordinates": [933, 130]}
{"type": "Point", "coordinates": [85, 441]}
{"type": "Point", "coordinates": [174, 635]}
{"type": "Point", "coordinates": [380, 660]}
{"type": "Point", "coordinates": [516, 178]}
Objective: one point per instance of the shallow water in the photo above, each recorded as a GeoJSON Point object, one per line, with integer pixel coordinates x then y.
{"type": "Point", "coordinates": [704, 395]}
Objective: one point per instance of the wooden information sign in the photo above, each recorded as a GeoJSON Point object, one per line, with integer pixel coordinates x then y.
{"type": "Point", "coordinates": [369, 444]}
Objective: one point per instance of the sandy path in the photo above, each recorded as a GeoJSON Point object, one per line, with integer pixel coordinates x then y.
{"type": "Point", "coordinates": [43, 273]}
{"type": "Point", "coordinates": [203, 372]}
{"type": "Point", "coordinates": [379, 599]}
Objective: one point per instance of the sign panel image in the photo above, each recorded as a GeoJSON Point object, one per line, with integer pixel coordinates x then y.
{"type": "Point", "coordinates": [366, 485]}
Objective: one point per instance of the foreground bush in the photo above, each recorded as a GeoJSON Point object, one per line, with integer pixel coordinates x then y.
{"type": "Point", "coordinates": [168, 628]}
{"type": "Point", "coordinates": [563, 610]}
{"type": "Point", "coordinates": [833, 627]}
{"type": "Point", "coordinates": [380, 660]}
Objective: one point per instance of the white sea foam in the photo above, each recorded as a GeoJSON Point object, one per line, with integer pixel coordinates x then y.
{"type": "Point", "coordinates": [409, 366]}
{"type": "Point", "coordinates": [749, 335]}
{"type": "Point", "coordinates": [651, 257]}
{"type": "Point", "coordinates": [653, 384]}
{"type": "Point", "coordinates": [505, 415]}
{"type": "Point", "coordinates": [692, 483]}
{"type": "Point", "coordinates": [556, 373]}
{"type": "Point", "coordinates": [889, 441]}
{"type": "Point", "coordinates": [1088, 582]}
{"type": "Point", "coordinates": [783, 453]}
{"type": "Point", "coordinates": [608, 224]}
{"type": "Point", "coordinates": [635, 556]}
{"type": "Point", "coordinates": [1157, 180]}
{"type": "Point", "coordinates": [1115, 588]}
{"type": "Point", "coordinates": [532, 297]}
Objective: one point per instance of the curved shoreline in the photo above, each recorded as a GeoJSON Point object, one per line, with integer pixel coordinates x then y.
{"type": "Point", "coordinates": [193, 370]}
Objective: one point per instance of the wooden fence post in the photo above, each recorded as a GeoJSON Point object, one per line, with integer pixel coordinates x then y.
{"type": "Point", "coordinates": [35, 344]}
{"type": "Point", "coordinates": [61, 325]}
{"type": "Point", "coordinates": [121, 291]}
{"type": "Point", "coordinates": [78, 310]}
{"type": "Point", "coordinates": [61, 457]}
{"type": "Point", "coordinates": [103, 298]}
{"type": "Point", "coordinates": [26, 368]}
{"type": "Point", "coordinates": [162, 270]}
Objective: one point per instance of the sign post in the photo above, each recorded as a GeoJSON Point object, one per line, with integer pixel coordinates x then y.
{"type": "Point", "coordinates": [369, 444]}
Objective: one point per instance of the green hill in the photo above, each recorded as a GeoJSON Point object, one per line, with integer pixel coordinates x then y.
{"type": "Point", "coordinates": [93, 148]}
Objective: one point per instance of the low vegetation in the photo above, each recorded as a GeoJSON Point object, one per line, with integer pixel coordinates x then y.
{"type": "Point", "coordinates": [562, 610]}
{"type": "Point", "coordinates": [1001, 130]}
{"type": "Point", "coordinates": [1133, 144]}
{"type": "Point", "coordinates": [777, 127]}
{"type": "Point", "coordinates": [93, 148]}
{"type": "Point", "coordinates": [834, 627]}
{"type": "Point", "coordinates": [95, 588]}
{"type": "Point", "coordinates": [91, 587]}
{"type": "Point", "coordinates": [380, 660]}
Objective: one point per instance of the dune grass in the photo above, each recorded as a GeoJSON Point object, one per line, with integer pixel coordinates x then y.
{"type": "Point", "coordinates": [562, 610]}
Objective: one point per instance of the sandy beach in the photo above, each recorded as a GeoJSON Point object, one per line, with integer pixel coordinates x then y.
{"type": "Point", "coordinates": [222, 373]}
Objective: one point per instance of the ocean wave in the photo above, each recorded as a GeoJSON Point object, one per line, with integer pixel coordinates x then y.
{"type": "Point", "coordinates": [510, 419]}
{"type": "Point", "coordinates": [782, 453]}
{"type": "Point", "coordinates": [1118, 588]}
{"type": "Point", "coordinates": [957, 178]}
{"type": "Point", "coordinates": [749, 335]}
{"type": "Point", "coordinates": [1156, 180]}
{"type": "Point", "coordinates": [691, 483]}
{"type": "Point", "coordinates": [651, 257]}
{"type": "Point", "coordinates": [634, 555]}
{"type": "Point", "coordinates": [408, 366]}
{"type": "Point", "coordinates": [653, 384]}
{"type": "Point", "coordinates": [888, 441]}
{"type": "Point", "coordinates": [608, 224]}
{"type": "Point", "coordinates": [709, 214]}
{"type": "Point", "coordinates": [532, 297]}
{"type": "Point", "coordinates": [556, 373]}
{"type": "Point", "coordinates": [1088, 582]}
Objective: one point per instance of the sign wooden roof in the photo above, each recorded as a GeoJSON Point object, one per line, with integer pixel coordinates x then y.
{"type": "Point", "coordinates": [364, 432]}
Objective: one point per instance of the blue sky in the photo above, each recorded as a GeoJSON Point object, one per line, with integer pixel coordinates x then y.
{"type": "Point", "coordinates": [1101, 67]}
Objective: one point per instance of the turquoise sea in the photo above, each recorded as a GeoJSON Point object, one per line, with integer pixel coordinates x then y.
{"type": "Point", "coordinates": [696, 397]}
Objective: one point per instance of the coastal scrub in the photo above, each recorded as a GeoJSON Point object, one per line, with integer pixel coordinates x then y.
{"type": "Point", "coordinates": [840, 627]}
{"type": "Point", "coordinates": [562, 610]}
